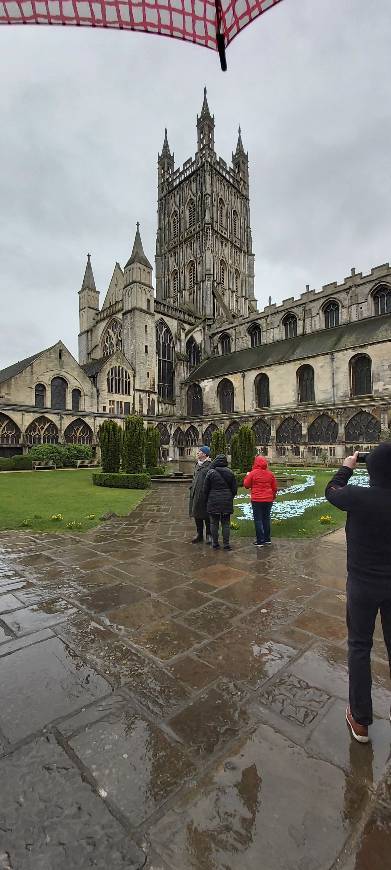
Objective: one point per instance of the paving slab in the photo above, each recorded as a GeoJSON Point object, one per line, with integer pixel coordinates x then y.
{"type": "Point", "coordinates": [50, 817]}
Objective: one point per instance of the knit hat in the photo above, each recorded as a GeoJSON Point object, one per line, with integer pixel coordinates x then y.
{"type": "Point", "coordinates": [205, 449]}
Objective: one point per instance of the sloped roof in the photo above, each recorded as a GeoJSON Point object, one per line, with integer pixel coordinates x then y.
{"type": "Point", "coordinates": [348, 335]}
{"type": "Point", "coordinates": [18, 367]}
{"type": "Point", "coordinates": [137, 255]}
{"type": "Point", "coordinates": [94, 366]}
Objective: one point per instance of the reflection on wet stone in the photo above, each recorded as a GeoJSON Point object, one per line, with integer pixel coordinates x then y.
{"type": "Point", "coordinates": [167, 639]}
{"type": "Point", "coordinates": [134, 762]}
{"type": "Point", "coordinates": [209, 722]}
{"type": "Point", "coordinates": [52, 819]}
{"type": "Point", "coordinates": [112, 596]}
{"type": "Point", "coordinates": [294, 699]}
{"type": "Point", "coordinates": [31, 619]}
{"type": "Point", "coordinates": [132, 618]}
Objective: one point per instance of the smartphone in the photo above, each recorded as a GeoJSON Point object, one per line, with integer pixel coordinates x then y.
{"type": "Point", "coordinates": [362, 457]}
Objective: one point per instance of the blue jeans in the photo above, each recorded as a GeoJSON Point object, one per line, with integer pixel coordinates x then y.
{"type": "Point", "coordinates": [261, 514]}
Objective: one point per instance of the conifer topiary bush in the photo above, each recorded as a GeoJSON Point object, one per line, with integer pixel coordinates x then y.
{"type": "Point", "coordinates": [152, 445]}
{"type": "Point", "coordinates": [218, 443]}
{"type": "Point", "coordinates": [110, 441]}
{"type": "Point", "coordinates": [133, 445]}
{"type": "Point", "coordinates": [246, 447]}
{"type": "Point", "coordinates": [235, 453]}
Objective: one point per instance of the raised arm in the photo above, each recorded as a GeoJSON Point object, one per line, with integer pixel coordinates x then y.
{"type": "Point", "coordinates": [337, 491]}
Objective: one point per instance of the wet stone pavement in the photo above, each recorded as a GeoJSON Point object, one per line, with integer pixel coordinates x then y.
{"type": "Point", "coordinates": [174, 708]}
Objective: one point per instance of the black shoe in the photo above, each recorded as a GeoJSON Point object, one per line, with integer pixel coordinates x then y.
{"type": "Point", "coordinates": [197, 540]}
{"type": "Point", "coordinates": [227, 547]}
{"type": "Point", "coordinates": [215, 546]}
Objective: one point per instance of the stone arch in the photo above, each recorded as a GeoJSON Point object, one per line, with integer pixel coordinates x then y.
{"type": "Point", "coordinates": [289, 324]}
{"type": "Point", "coordinates": [179, 441]}
{"type": "Point", "coordinates": [165, 359]}
{"type": "Point", "coordinates": [231, 430]}
{"type": "Point", "coordinates": [262, 432]}
{"type": "Point", "coordinates": [362, 428]}
{"type": "Point", "coordinates": [164, 434]}
{"type": "Point", "coordinates": [191, 436]}
{"type": "Point", "coordinates": [262, 391]}
{"type": "Point", "coordinates": [289, 432]}
{"type": "Point", "coordinates": [323, 430]}
{"type": "Point", "coordinates": [195, 402]}
{"type": "Point", "coordinates": [331, 310]}
{"type": "Point", "coordinates": [78, 432]}
{"type": "Point", "coordinates": [76, 399]}
{"type": "Point", "coordinates": [193, 352]}
{"type": "Point", "coordinates": [41, 431]}
{"type": "Point", "coordinates": [255, 334]}
{"type": "Point", "coordinates": [382, 299]}
{"type": "Point", "coordinates": [225, 343]}
{"type": "Point", "coordinates": [305, 384]}
{"type": "Point", "coordinates": [10, 433]}
{"type": "Point", "coordinates": [40, 396]}
{"type": "Point", "coordinates": [226, 396]}
{"type": "Point", "coordinates": [207, 436]}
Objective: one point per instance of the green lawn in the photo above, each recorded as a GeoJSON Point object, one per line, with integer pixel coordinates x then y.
{"type": "Point", "coordinates": [29, 500]}
{"type": "Point", "coordinates": [308, 524]}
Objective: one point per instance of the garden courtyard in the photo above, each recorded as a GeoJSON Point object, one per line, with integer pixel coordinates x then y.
{"type": "Point", "coordinates": [169, 707]}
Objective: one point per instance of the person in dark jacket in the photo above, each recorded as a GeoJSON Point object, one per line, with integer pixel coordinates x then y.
{"type": "Point", "coordinates": [197, 503]}
{"type": "Point", "coordinates": [263, 487]}
{"type": "Point", "coordinates": [368, 536]}
{"type": "Point", "coordinates": [220, 488]}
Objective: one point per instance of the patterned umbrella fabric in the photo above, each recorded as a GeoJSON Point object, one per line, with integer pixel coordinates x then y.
{"type": "Point", "coordinates": [211, 23]}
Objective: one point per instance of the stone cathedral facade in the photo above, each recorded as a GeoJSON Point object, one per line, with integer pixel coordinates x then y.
{"type": "Point", "coordinates": [311, 375]}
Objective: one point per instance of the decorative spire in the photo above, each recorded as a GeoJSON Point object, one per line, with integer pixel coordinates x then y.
{"type": "Point", "coordinates": [88, 280]}
{"type": "Point", "coordinates": [205, 126]}
{"type": "Point", "coordinates": [137, 255]}
{"type": "Point", "coordinates": [239, 146]}
{"type": "Point", "coordinates": [166, 148]}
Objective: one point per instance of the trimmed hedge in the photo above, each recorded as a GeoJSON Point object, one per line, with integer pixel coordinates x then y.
{"type": "Point", "coordinates": [16, 463]}
{"type": "Point", "coordinates": [64, 455]}
{"type": "Point", "coordinates": [122, 481]}
{"type": "Point", "coordinates": [156, 470]}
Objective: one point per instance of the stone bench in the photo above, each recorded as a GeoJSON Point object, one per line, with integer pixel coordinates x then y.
{"type": "Point", "coordinates": [87, 463]}
{"type": "Point", "coordinates": [44, 466]}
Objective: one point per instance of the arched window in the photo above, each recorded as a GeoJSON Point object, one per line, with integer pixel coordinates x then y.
{"type": "Point", "coordinates": [112, 338]}
{"type": "Point", "coordinates": [165, 361]}
{"type": "Point", "coordinates": [78, 432]}
{"type": "Point", "coordinates": [237, 281]}
{"type": "Point", "coordinates": [40, 396]}
{"type": "Point", "coordinates": [41, 431]}
{"type": "Point", "coordinates": [255, 334]}
{"type": "Point", "coordinates": [192, 274]}
{"type": "Point", "coordinates": [175, 283]}
{"type": "Point", "coordinates": [191, 436]}
{"type": "Point", "coordinates": [262, 432]}
{"type": "Point", "coordinates": [174, 225]}
{"type": "Point", "coordinates": [58, 389]}
{"type": "Point", "coordinates": [323, 430]}
{"type": "Point", "coordinates": [207, 436]}
{"type": "Point", "coordinates": [164, 434]}
{"type": "Point", "coordinates": [191, 213]}
{"type": "Point", "coordinates": [119, 381]}
{"type": "Point", "coordinates": [289, 432]}
{"type": "Point", "coordinates": [331, 314]}
{"type": "Point", "coordinates": [363, 428]}
{"type": "Point", "coordinates": [290, 325]}
{"type": "Point", "coordinates": [262, 392]}
{"type": "Point", "coordinates": [195, 404]}
{"type": "Point", "coordinates": [231, 430]}
{"type": "Point", "coordinates": [179, 441]}
{"type": "Point", "coordinates": [382, 300]}
{"type": "Point", "coordinates": [361, 375]}
{"type": "Point", "coordinates": [9, 431]}
{"type": "Point", "coordinates": [235, 223]}
{"type": "Point", "coordinates": [76, 399]}
{"type": "Point", "coordinates": [221, 213]}
{"type": "Point", "coordinates": [223, 273]}
{"type": "Point", "coordinates": [226, 394]}
{"type": "Point", "coordinates": [305, 384]}
{"type": "Point", "coordinates": [225, 343]}
{"type": "Point", "coordinates": [193, 352]}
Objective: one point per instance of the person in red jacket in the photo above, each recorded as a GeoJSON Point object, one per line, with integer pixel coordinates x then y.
{"type": "Point", "coordinates": [263, 487]}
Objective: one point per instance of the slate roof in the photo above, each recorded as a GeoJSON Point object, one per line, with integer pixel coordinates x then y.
{"type": "Point", "coordinates": [18, 367]}
{"type": "Point", "coordinates": [137, 255]}
{"type": "Point", "coordinates": [94, 366]}
{"type": "Point", "coordinates": [348, 335]}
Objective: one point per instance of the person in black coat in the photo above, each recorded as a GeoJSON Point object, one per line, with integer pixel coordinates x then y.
{"type": "Point", "coordinates": [368, 536]}
{"type": "Point", "coordinates": [197, 503]}
{"type": "Point", "coordinates": [220, 488]}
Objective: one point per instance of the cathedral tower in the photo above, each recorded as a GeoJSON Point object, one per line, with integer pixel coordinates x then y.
{"type": "Point", "coordinates": [204, 257]}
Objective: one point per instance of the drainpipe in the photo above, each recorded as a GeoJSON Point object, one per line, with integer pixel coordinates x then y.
{"type": "Point", "coordinates": [244, 393]}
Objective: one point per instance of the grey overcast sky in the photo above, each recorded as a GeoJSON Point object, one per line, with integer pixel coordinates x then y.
{"type": "Point", "coordinates": [82, 116]}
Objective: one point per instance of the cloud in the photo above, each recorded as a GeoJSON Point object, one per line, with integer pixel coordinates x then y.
{"type": "Point", "coordinates": [82, 119]}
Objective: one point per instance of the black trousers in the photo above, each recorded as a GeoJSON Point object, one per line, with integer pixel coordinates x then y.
{"type": "Point", "coordinates": [225, 520]}
{"type": "Point", "coordinates": [200, 526]}
{"type": "Point", "coordinates": [364, 600]}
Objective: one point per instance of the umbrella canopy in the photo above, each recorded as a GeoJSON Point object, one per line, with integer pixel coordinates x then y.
{"type": "Point", "coordinates": [211, 23]}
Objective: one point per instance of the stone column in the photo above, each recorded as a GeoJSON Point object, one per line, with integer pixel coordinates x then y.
{"type": "Point", "coordinates": [272, 443]}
